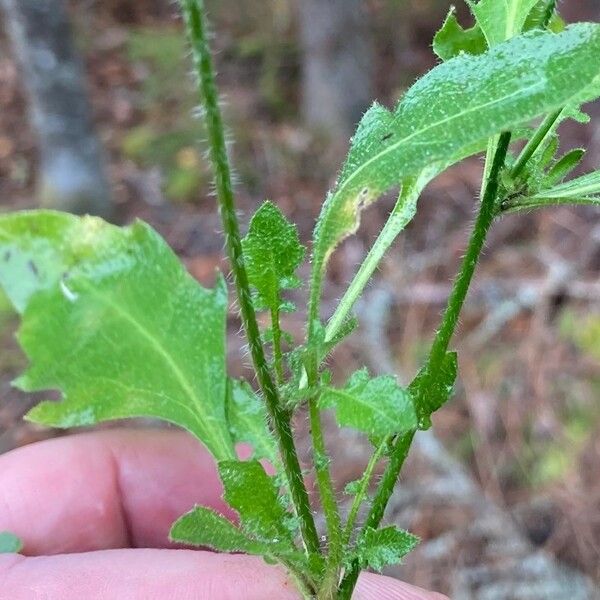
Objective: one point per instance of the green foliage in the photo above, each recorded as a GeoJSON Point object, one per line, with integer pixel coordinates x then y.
{"type": "Point", "coordinates": [9, 543]}
{"type": "Point", "coordinates": [247, 418]}
{"type": "Point", "coordinates": [272, 253]}
{"type": "Point", "coordinates": [378, 548]}
{"type": "Point", "coordinates": [449, 112]}
{"type": "Point", "coordinates": [430, 391]}
{"type": "Point", "coordinates": [111, 319]}
{"type": "Point", "coordinates": [377, 406]}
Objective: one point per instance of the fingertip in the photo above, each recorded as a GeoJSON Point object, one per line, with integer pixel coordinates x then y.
{"type": "Point", "coordinates": [379, 587]}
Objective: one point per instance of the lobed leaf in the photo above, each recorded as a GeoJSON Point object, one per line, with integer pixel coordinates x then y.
{"type": "Point", "coordinates": [247, 418]}
{"type": "Point", "coordinates": [501, 20]}
{"type": "Point", "coordinates": [452, 39]}
{"type": "Point", "coordinates": [450, 113]}
{"type": "Point", "coordinates": [272, 253]}
{"type": "Point", "coordinates": [430, 391]}
{"type": "Point", "coordinates": [379, 548]}
{"type": "Point", "coordinates": [9, 543]}
{"type": "Point", "coordinates": [112, 320]}
{"type": "Point", "coordinates": [254, 495]}
{"type": "Point", "coordinates": [376, 406]}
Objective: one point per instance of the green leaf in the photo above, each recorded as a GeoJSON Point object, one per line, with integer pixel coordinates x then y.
{"type": "Point", "coordinates": [430, 391]}
{"type": "Point", "coordinates": [378, 548]}
{"type": "Point", "coordinates": [272, 253]}
{"type": "Point", "coordinates": [450, 113]}
{"type": "Point", "coordinates": [254, 495]}
{"type": "Point", "coordinates": [564, 166]}
{"type": "Point", "coordinates": [377, 406]}
{"type": "Point", "coordinates": [545, 10]}
{"type": "Point", "coordinates": [500, 20]}
{"type": "Point", "coordinates": [9, 543]}
{"type": "Point", "coordinates": [116, 324]}
{"type": "Point", "coordinates": [204, 527]}
{"type": "Point", "coordinates": [247, 417]}
{"type": "Point", "coordinates": [452, 39]}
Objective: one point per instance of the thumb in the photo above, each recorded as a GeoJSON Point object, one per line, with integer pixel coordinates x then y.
{"type": "Point", "coordinates": [378, 587]}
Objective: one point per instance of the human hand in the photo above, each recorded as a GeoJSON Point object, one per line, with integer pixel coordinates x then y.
{"type": "Point", "coordinates": [94, 512]}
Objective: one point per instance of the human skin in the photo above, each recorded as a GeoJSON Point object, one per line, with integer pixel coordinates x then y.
{"type": "Point", "coordinates": [94, 512]}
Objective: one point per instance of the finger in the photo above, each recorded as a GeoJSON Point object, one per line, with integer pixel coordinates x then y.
{"type": "Point", "coordinates": [158, 574]}
{"type": "Point", "coordinates": [378, 587]}
{"type": "Point", "coordinates": [143, 574]}
{"type": "Point", "coordinates": [106, 489]}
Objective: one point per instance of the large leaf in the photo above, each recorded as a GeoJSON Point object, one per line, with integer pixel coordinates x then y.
{"type": "Point", "coordinates": [254, 495]}
{"type": "Point", "coordinates": [9, 543]}
{"type": "Point", "coordinates": [116, 324]}
{"type": "Point", "coordinates": [247, 418]}
{"type": "Point", "coordinates": [457, 106]}
{"type": "Point", "coordinates": [377, 406]}
{"type": "Point", "coordinates": [500, 20]}
{"type": "Point", "coordinates": [379, 548]}
{"type": "Point", "coordinates": [272, 253]}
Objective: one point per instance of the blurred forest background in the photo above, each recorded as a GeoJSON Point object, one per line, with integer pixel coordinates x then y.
{"type": "Point", "coordinates": [513, 511]}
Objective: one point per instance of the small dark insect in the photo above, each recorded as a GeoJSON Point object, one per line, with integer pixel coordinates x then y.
{"type": "Point", "coordinates": [386, 137]}
{"type": "Point", "coordinates": [33, 267]}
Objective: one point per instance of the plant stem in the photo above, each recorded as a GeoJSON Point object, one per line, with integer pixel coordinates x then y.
{"type": "Point", "coordinates": [193, 11]}
{"type": "Point", "coordinates": [485, 218]}
{"type": "Point", "coordinates": [401, 215]}
{"type": "Point", "coordinates": [363, 489]}
{"type": "Point", "coordinates": [328, 501]}
{"type": "Point", "coordinates": [380, 501]}
{"type": "Point", "coordinates": [539, 137]}
{"type": "Point", "coordinates": [277, 353]}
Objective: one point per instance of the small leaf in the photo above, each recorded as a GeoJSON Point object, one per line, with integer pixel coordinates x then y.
{"type": "Point", "coordinates": [9, 543]}
{"type": "Point", "coordinates": [564, 166]}
{"type": "Point", "coordinates": [204, 527]}
{"type": "Point", "coordinates": [452, 40]}
{"type": "Point", "coordinates": [377, 406]}
{"type": "Point", "coordinates": [379, 548]}
{"type": "Point", "coordinates": [254, 495]}
{"type": "Point", "coordinates": [112, 320]}
{"type": "Point", "coordinates": [247, 417]}
{"type": "Point", "coordinates": [272, 253]}
{"type": "Point", "coordinates": [430, 391]}
{"type": "Point", "coordinates": [500, 20]}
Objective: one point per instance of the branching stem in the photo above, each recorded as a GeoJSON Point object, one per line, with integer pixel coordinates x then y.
{"type": "Point", "coordinates": [193, 11]}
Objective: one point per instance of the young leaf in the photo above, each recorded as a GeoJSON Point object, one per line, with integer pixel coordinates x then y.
{"type": "Point", "coordinates": [247, 417]}
{"type": "Point", "coordinates": [378, 548]}
{"type": "Point", "coordinates": [253, 494]}
{"type": "Point", "coordinates": [452, 111]}
{"type": "Point", "coordinates": [272, 253]}
{"type": "Point", "coordinates": [430, 391]}
{"type": "Point", "coordinates": [564, 166]}
{"type": "Point", "coordinates": [116, 324]}
{"type": "Point", "coordinates": [452, 39]}
{"type": "Point", "coordinates": [377, 406]}
{"type": "Point", "coordinates": [501, 20]}
{"type": "Point", "coordinates": [9, 543]}
{"type": "Point", "coordinates": [204, 527]}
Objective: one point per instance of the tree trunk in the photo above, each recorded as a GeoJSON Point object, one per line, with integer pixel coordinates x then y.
{"type": "Point", "coordinates": [338, 63]}
{"type": "Point", "coordinates": [71, 173]}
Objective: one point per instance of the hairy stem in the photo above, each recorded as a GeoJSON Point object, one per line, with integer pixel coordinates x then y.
{"type": "Point", "coordinates": [277, 353]}
{"type": "Point", "coordinates": [363, 489]}
{"type": "Point", "coordinates": [193, 11]}
{"type": "Point", "coordinates": [485, 218]}
{"type": "Point", "coordinates": [401, 215]}
{"type": "Point", "coordinates": [541, 134]}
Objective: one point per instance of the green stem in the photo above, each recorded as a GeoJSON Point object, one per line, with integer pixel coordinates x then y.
{"type": "Point", "coordinates": [277, 353]}
{"type": "Point", "coordinates": [328, 501]}
{"type": "Point", "coordinates": [193, 11]}
{"type": "Point", "coordinates": [485, 218]}
{"type": "Point", "coordinates": [363, 489]}
{"type": "Point", "coordinates": [539, 137]}
{"type": "Point", "coordinates": [382, 497]}
{"type": "Point", "coordinates": [401, 215]}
